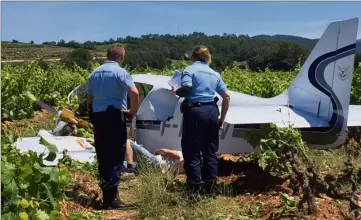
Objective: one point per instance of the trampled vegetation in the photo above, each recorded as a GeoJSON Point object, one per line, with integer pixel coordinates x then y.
{"type": "Point", "coordinates": [326, 181]}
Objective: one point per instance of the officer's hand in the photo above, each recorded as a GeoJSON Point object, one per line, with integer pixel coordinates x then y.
{"type": "Point", "coordinates": [130, 113]}
{"type": "Point", "coordinates": [174, 89]}
{"type": "Point", "coordinates": [220, 125]}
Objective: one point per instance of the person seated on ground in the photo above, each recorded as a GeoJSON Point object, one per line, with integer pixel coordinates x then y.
{"type": "Point", "coordinates": [165, 158]}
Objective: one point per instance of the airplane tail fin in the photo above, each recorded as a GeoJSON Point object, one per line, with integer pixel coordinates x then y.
{"type": "Point", "coordinates": [323, 85]}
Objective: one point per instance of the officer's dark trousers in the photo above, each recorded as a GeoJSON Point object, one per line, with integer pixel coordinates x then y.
{"type": "Point", "coordinates": [110, 144]}
{"type": "Point", "coordinates": [200, 141]}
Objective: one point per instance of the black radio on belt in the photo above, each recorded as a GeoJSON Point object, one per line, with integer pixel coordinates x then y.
{"type": "Point", "coordinates": [185, 105]}
{"type": "Point", "coordinates": [216, 100]}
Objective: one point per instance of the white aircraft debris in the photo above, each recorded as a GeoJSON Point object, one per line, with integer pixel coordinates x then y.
{"type": "Point", "coordinates": [77, 148]}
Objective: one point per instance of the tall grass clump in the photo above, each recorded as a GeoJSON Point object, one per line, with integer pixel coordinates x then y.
{"type": "Point", "coordinates": [158, 190]}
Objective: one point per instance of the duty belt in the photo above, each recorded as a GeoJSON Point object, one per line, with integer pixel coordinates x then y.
{"type": "Point", "coordinates": [196, 104]}
{"type": "Point", "coordinates": [186, 104]}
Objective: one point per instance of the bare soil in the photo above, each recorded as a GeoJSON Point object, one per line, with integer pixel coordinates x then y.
{"type": "Point", "coordinates": [251, 184]}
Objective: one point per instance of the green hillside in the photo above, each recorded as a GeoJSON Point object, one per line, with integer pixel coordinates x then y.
{"type": "Point", "coordinates": [277, 52]}
{"type": "Point", "coordinates": [298, 40]}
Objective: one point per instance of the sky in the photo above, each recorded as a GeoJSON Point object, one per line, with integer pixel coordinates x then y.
{"type": "Point", "coordinates": [99, 21]}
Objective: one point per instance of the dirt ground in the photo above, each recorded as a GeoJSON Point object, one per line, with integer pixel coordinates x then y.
{"type": "Point", "coordinates": [251, 184]}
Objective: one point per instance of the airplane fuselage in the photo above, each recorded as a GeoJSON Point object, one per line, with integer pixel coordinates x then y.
{"type": "Point", "coordinates": [155, 134]}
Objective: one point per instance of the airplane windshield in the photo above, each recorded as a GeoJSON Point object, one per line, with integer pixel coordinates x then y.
{"type": "Point", "coordinates": [143, 89]}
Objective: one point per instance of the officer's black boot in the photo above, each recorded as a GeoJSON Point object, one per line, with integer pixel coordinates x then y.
{"type": "Point", "coordinates": [106, 199]}
{"type": "Point", "coordinates": [111, 199]}
{"type": "Point", "coordinates": [194, 191]}
{"type": "Point", "coordinates": [194, 188]}
{"type": "Point", "coordinates": [210, 188]}
{"type": "Point", "coordinates": [131, 169]}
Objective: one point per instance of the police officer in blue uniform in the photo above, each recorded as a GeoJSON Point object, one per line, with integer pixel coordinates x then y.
{"type": "Point", "coordinates": [201, 122]}
{"type": "Point", "coordinates": [108, 89]}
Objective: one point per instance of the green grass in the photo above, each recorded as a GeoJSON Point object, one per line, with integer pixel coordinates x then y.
{"type": "Point", "coordinates": [161, 196]}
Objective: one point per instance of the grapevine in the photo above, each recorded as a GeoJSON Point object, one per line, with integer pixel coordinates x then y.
{"type": "Point", "coordinates": [282, 150]}
{"type": "Point", "coordinates": [29, 189]}
{"type": "Point", "coordinates": [53, 85]}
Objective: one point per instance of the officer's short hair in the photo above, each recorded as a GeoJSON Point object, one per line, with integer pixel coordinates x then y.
{"type": "Point", "coordinates": [116, 51]}
{"type": "Point", "coordinates": [201, 53]}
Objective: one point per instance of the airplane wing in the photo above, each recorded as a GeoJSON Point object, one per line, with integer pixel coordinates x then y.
{"type": "Point", "coordinates": [282, 116]}
{"type": "Point", "coordinates": [354, 116]}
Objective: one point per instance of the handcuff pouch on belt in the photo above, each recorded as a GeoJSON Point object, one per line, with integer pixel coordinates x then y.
{"type": "Point", "coordinates": [185, 106]}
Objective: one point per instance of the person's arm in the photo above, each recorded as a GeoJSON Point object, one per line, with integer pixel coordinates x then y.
{"type": "Point", "coordinates": [225, 106]}
{"type": "Point", "coordinates": [186, 85]}
{"type": "Point", "coordinates": [89, 96]}
{"type": "Point", "coordinates": [170, 153]}
{"type": "Point", "coordinates": [89, 100]}
{"type": "Point", "coordinates": [134, 98]}
{"type": "Point", "coordinates": [133, 95]}
{"type": "Point", "coordinates": [184, 91]}
{"type": "Point", "coordinates": [223, 91]}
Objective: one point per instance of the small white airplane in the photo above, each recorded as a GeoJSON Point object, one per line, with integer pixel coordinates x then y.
{"type": "Point", "coordinates": [317, 102]}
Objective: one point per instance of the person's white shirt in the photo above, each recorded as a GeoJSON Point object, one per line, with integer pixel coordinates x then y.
{"type": "Point", "coordinates": [168, 163]}
{"type": "Point", "coordinates": [165, 162]}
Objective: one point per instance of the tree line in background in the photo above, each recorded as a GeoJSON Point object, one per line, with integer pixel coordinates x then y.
{"type": "Point", "coordinates": [158, 51]}
{"type": "Point", "coordinates": [279, 52]}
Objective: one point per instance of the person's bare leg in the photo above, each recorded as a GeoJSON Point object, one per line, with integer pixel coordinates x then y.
{"type": "Point", "coordinates": [129, 155]}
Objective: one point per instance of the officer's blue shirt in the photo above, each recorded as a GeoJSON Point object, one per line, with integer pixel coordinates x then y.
{"type": "Point", "coordinates": [109, 84]}
{"type": "Point", "coordinates": [205, 82]}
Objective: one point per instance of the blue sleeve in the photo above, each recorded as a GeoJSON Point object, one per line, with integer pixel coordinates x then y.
{"type": "Point", "coordinates": [221, 86]}
{"type": "Point", "coordinates": [186, 78]}
{"type": "Point", "coordinates": [125, 79]}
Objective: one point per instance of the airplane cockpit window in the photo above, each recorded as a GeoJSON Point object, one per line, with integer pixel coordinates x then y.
{"type": "Point", "coordinates": [143, 90]}
{"type": "Point", "coordinates": [81, 93]}
{"type": "Point", "coordinates": [161, 104]}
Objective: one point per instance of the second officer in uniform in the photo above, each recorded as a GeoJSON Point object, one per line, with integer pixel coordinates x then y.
{"type": "Point", "coordinates": [201, 122]}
